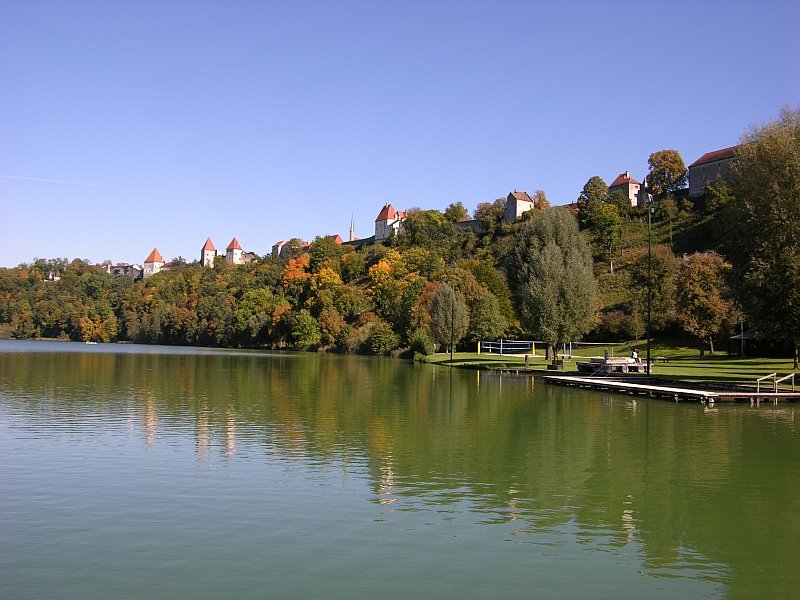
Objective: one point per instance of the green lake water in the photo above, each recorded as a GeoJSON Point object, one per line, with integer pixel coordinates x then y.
{"type": "Point", "coordinates": [150, 472]}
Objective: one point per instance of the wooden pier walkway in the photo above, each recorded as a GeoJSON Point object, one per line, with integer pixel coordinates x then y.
{"type": "Point", "coordinates": [671, 392]}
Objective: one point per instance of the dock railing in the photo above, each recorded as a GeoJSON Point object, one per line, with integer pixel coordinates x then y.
{"type": "Point", "coordinates": [775, 381]}
{"type": "Point", "coordinates": [786, 378]}
{"type": "Point", "coordinates": [772, 376]}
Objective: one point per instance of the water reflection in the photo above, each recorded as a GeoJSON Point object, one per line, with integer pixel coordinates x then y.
{"type": "Point", "coordinates": [709, 493]}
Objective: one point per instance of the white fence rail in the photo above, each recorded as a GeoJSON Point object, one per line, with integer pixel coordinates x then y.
{"type": "Point", "coordinates": [507, 347]}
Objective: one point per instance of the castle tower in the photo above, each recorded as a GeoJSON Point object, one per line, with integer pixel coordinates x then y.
{"type": "Point", "coordinates": [208, 253]}
{"type": "Point", "coordinates": [389, 221]}
{"type": "Point", "coordinates": [628, 186]}
{"type": "Point", "coordinates": [517, 203]}
{"type": "Point", "coordinates": [233, 253]}
{"type": "Point", "coordinates": [153, 263]}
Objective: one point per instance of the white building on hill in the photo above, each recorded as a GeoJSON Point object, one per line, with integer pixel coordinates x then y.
{"type": "Point", "coordinates": [389, 221]}
{"type": "Point", "coordinates": [153, 263]}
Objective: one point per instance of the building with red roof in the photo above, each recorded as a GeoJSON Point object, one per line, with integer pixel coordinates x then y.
{"type": "Point", "coordinates": [233, 253]}
{"type": "Point", "coordinates": [517, 203]}
{"type": "Point", "coordinates": [388, 222]}
{"type": "Point", "coordinates": [153, 263]}
{"type": "Point", "coordinates": [628, 186]}
{"type": "Point", "coordinates": [208, 253]}
{"type": "Point", "coordinates": [708, 167]}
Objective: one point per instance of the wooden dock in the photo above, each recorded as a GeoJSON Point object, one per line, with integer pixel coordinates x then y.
{"type": "Point", "coordinates": [670, 392]}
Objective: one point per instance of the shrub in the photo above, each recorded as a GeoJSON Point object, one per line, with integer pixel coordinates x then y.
{"type": "Point", "coordinates": [357, 339]}
{"type": "Point", "coordinates": [421, 342]}
{"type": "Point", "coordinates": [382, 339]}
{"type": "Point", "coordinates": [305, 331]}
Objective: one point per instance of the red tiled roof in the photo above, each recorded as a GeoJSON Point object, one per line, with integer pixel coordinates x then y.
{"type": "Point", "coordinates": [234, 245]}
{"type": "Point", "coordinates": [336, 239]}
{"type": "Point", "coordinates": [209, 245]}
{"type": "Point", "coordinates": [521, 196]}
{"type": "Point", "coordinates": [387, 212]}
{"type": "Point", "coordinates": [154, 257]}
{"type": "Point", "coordinates": [716, 155]}
{"type": "Point", "coordinates": [624, 178]}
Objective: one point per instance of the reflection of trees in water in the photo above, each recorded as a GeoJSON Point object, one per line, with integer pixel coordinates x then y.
{"type": "Point", "coordinates": [679, 482]}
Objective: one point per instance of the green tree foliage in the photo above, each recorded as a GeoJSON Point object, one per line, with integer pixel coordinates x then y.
{"type": "Point", "coordinates": [490, 214]}
{"type": "Point", "coordinates": [254, 314]}
{"type": "Point", "coordinates": [352, 267]}
{"type": "Point", "coordinates": [486, 319]}
{"type": "Point", "coordinates": [377, 296]}
{"type": "Point", "coordinates": [618, 199]}
{"type": "Point", "coordinates": [702, 296]}
{"type": "Point", "coordinates": [667, 173]}
{"type": "Point", "coordinates": [493, 280]}
{"type": "Point", "coordinates": [592, 197]}
{"type": "Point", "coordinates": [323, 250]}
{"type": "Point", "coordinates": [456, 212]}
{"type": "Point", "coordinates": [717, 194]}
{"type": "Point", "coordinates": [421, 342]}
{"type": "Point", "coordinates": [305, 330]}
{"type": "Point", "coordinates": [382, 339]}
{"type": "Point", "coordinates": [667, 211]}
{"type": "Point", "coordinates": [432, 231]}
{"type": "Point", "coordinates": [662, 281]}
{"type": "Point", "coordinates": [449, 316]}
{"type": "Point", "coordinates": [765, 242]}
{"type": "Point", "coordinates": [553, 281]}
{"type": "Point", "coordinates": [606, 230]}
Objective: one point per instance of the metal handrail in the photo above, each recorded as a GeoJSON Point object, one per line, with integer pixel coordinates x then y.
{"type": "Point", "coordinates": [782, 379]}
{"type": "Point", "coordinates": [760, 379]}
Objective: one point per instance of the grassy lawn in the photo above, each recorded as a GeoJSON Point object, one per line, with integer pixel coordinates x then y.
{"type": "Point", "coordinates": [684, 363]}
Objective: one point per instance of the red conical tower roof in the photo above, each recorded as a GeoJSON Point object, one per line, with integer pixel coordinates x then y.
{"type": "Point", "coordinates": [154, 257]}
{"type": "Point", "coordinates": [234, 245]}
{"type": "Point", "coordinates": [209, 245]}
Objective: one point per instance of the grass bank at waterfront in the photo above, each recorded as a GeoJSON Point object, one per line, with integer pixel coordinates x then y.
{"type": "Point", "coordinates": [669, 361]}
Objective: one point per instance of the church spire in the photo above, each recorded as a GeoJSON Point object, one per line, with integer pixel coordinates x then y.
{"type": "Point", "coordinates": [352, 228]}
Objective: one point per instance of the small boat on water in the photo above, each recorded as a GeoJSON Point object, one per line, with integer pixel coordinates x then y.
{"type": "Point", "coordinates": [90, 342]}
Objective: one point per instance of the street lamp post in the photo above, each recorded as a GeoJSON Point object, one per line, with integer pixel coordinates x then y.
{"type": "Point", "coordinates": [649, 204]}
{"type": "Point", "coordinates": [452, 323]}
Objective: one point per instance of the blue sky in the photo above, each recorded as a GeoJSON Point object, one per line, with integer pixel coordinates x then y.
{"type": "Point", "coordinates": [132, 125]}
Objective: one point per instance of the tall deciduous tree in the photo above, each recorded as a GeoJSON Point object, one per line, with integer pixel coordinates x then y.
{"type": "Point", "coordinates": [667, 172]}
{"type": "Point", "coordinates": [661, 283]}
{"type": "Point", "coordinates": [486, 321]}
{"type": "Point", "coordinates": [592, 197]}
{"type": "Point", "coordinates": [551, 270]}
{"type": "Point", "coordinates": [765, 248]}
{"type": "Point", "coordinates": [456, 212]}
{"type": "Point", "coordinates": [607, 231]}
{"type": "Point", "coordinates": [449, 316]}
{"type": "Point", "coordinates": [491, 213]}
{"type": "Point", "coordinates": [540, 201]}
{"type": "Point", "coordinates": [702, 296]}
{"type": "Point", "coordinates": [305, 330]}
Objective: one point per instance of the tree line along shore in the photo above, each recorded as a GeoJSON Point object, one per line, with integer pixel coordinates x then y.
{"type": "Point", "coordinates": [716, 265]}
